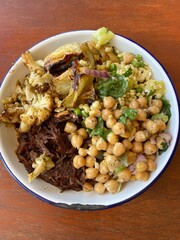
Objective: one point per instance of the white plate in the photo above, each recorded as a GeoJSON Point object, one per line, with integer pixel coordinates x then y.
{"type": "Point", "coordinates": [71, 199]}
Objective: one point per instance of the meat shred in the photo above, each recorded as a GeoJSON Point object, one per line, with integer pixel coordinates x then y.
{"type": "Point", "coordinates": [50, 138]}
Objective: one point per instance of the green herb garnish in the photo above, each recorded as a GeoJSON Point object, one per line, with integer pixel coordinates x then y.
{"type": "Point", "coordinates": [100, 130]}
{"type": "Point", "coordinates": [139, 89]}
{"type": "Point", "coordinates": [77, 112]}
{"type": "Point", "coordinates": [160, 116]}
{"type": "Point", "coordinates": [128, 72]}
{"type": "Point", "coordinates": [166, 109]}
{"type": "Point", "coordinates": [128, 113]}
{"type": "Point", "coordinates": [124, 163]}
{"type": "Point", "coordinates": [164, 147]}
{"type": "Point", "coordinates": [138, 61]}
{"type": "Point", "coordinates": [119, 169]}
{"type": "Point", "coordinates": [84, 113]}
{"type": "Point", "coordinates": [124, 159]}
{"type": "Point", "coordinates": [114, 87]}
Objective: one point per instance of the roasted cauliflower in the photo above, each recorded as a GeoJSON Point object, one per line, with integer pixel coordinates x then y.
{"type": "Point", "coordinates": [41, 164]}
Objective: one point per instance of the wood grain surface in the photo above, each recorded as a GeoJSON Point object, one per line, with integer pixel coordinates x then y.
{"type": "Point", "coordinates": [154, 24]}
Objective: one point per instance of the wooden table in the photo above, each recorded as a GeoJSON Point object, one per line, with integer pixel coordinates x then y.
{"type": "Point", "coordinates": [155, 25]}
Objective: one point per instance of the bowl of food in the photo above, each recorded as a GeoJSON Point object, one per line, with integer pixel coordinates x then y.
{"type": "Point", "coordinates": [89, 120]}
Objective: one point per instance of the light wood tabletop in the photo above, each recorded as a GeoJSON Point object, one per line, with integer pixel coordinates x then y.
{"type": "Point", "coordinates": [153, 24]}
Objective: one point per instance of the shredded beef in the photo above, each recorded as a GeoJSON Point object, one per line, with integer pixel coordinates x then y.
{"type": "Point", "coordinates": [49, 138]}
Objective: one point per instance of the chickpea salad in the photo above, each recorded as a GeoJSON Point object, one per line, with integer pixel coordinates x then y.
{"type": "Point", "coordinates": [89, 117]}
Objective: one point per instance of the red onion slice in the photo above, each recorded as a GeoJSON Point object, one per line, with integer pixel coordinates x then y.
{"type": "Point", "coordinates": [132, 168]}
{"type": "Point", "coordinates": [152, 140]}
{"type": "Point", "coordinates": [140, 158]}
{"type": "Point", "coordinates": [96, 73]}
{"type": "Point", "coordinates": [166, 137]}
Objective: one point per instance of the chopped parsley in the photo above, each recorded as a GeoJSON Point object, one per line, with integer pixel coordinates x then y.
{"type": "Point", "coordinates": [164, 147]}
{"type": "Point", "coordinates": [100, 130]}
{"type": "Point", "coordinates": [128, 113]}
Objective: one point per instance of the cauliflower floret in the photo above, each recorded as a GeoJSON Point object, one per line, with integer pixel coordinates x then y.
{"type": "Point", "coordinates": [41, 164]}
{"type": "Point", "coordinates": [29, 93]}
{"type": "Point", "coordinates": [38, 112]}
{"type": "Point", "coordinates": [13, 108]}
{"type": "Point", "coordinates": [36, 80]}
{"type": "Point", "coordinates": [31, 64]}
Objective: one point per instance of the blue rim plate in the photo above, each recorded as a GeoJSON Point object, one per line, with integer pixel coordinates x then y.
{"type": "Point", "coordinates": [82, 200]}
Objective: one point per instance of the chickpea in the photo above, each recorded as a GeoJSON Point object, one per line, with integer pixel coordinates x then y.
{"type": "Point", "coordinates": [151, 165]}
{"type": "Point", "coordinates": [137, 147]}
{"type": "Point", "coordinates": [161, 124]}
{"type": "Point", "coordinates": [76, 140]}
{"type": "Point", "coordinates": [135, 123]}
{"type": "Point", "coordinates": [82, 132]}
{"type": "Point", "coordinates": [92, 151]}
{"type": "Point", "coordinates": [128, 145]}
{"type": "Point", "coordinates": [140, 136]}
{"type": "Point", "coordinates": [102, 178]}
{"type": "Point", "coordinates": [152, 127]}
{"type": "Point", "coordinates": [91, 173]}
{"type": "Point", "coordinates": [106, 113]}
{"type": "Point", "coordinates": [70, 127]}
{"type": "Point", "coordinates": [133, 178]}
{"type": "Point", "coordinates": [103, 168]}
{"type": "Point", "coordinates": [94, 140]}
{"type": "Point", "coordinates": [153, 110]}
{"type": "Point", "coordinates": [144, 124]}
{"type": "Point", "coordinates": [118, 149]}
{"type": "Point", "coordinates": [142, 102]}
{"type": "Point", "coordinates": [101, 144]}
{"type": "Point", "coordinates": [87, 187]}
{"type": "Point", "coordinates": [127, 57]}
{"type": "Point", "coordinates": [109, 102]}
{"type": "Point", "coordinates": [96, 165]}
{"type": "Point", "coordinates": [109, 149]}
{"type": "Point", "coordinates": [118, 128]}
{"type": "Point", "coordinates": [157, 102]}
{"type": "Point", "coordinates": [82, 152]}
{"type": "Point", "coordinates": [99, 188]}
{"type": "Point", "coordinates": [96, 105]}
{"type": "Point", "coordinates": [159, 142]}
{"type": "Point", "coordinates": [127, 134]}
{"type": "Point", "coordinates": [90, 122]}
{"type": "Point", "coordinates": [124, 175]}
{"type": "Point", "coordinates": [141, 166]}
{"type": "Point", "coordinates": [141, 115]}
{"type": "Point", "coordinates": [112, 162]}
{"type": "Point", "coordinates": [90, 161]}
{"type": "Point", "coordinates": [134, 104]}
{"type": "Point", "coordinates": [112, 138]}
{"type": "Point", "coordinates": [143, 176]}
{"type": "Point", "coordinates": [149, 148]}
{"type": "Point", "coordinates": [112, 186]}
{"type": "Point", "coordinates": [111, 121]}
{"type": "Point", "coordinates": [121, 101]}
{"type": "Point", "coordinates": [95, 113]}
{"type": "Point", "coordinates": [131, 156]}
{"type": "Point", "coordinates": [117, 113]}
{"type": "Point", "coordinates": [78, 161]}
{"type": "Point", "coordinates": [152, 157]}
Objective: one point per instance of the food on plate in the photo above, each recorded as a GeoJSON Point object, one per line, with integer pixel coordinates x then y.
{"type": "Point", "coordinates": [89, 117]}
